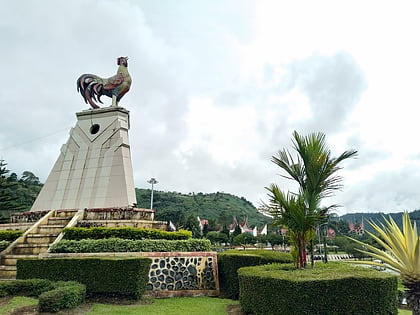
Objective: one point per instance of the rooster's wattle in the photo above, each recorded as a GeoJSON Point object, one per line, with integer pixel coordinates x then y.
{"type": "Point", "coordinates": [93, 87]}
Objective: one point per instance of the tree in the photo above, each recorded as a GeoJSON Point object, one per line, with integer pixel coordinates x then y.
{"type": "Point", "coordinates": [205, 229]}
{"type": "Point", "coordinates": [8, 198]}
{"type": "Point", "coordinates": [193, 225]}
{"type": "Point", "coordinates": [401, 254]}
{"type": "Point", "coordinates": [225, 231]}
{"type": "Point", "coordinates": [275, 239]}
{"type": "Point", "coordinates": [315, 172]}
{"type": "Point", "coordinates": [341, 227]}
{"type": "Point", "coordinates": [217, 237]}
{"type": "Point", "coordinates": [244, 239]}
{"type": "Point", "coordinates": [237, 230]}
{"type": "Point", "coordinates": [261, 240]}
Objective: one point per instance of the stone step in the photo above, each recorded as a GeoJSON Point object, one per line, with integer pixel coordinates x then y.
{"type": "Point", "coordinates": [50, 229]}
{"type": "Point", "coordinates": [7, 272]}
{"type": "Point", "coordinates": [29, 249]}
{"type": "Point", "coordinates": [65, 213]}
{"type": "Point", "coordinates": [40, 238]}
{"type": "Point", "coordinates": [10, 260]}
{"type": "Point", "coordinates": [58, 221]}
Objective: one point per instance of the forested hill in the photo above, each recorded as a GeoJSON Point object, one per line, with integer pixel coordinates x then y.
{"type": "Point", "coordinates": [357, 218]}
{"type": "Point", "coordinates": [218, 208]}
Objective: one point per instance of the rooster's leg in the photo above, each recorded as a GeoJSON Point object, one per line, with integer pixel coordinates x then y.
{"type": "Point", "coordinates": [114, 100]}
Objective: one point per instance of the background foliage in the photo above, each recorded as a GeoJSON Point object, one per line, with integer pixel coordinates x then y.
{"type": "Point", "coordinates": [16, 194]}
{"type": "Point", "coordinates": [218, 208]}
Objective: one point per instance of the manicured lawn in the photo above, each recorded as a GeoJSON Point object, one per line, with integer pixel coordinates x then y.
{"type": "Point", "coordinates": [16, 302]}
{"type": "Point", "coordinates": [171, 306]}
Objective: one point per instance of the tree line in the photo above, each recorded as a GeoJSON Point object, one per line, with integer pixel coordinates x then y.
{"type": "Point", "coordinates": [16, 193]}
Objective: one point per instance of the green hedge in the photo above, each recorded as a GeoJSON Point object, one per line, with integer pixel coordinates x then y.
{"type": "Point", "coordinates": [123, 245]}
{"type": "Point", "coordinates": [80, 233]}
{"type": "Point", "coordinates": [4, 244]}
{"type": "Point", "coordinates": [68, 294]}
{"type": "Point", "coordinates": [53, 296]}
{"type": "Point", "coordinates": [10, 235]}
{"type": "Point", "coordinates": [230, 261]}
{"type": "Point", "coordinates": [29, 287]}
{"type": "Point", "coordinates": [333, 288]}
{"type": "Point", "coordinates": [116, 276]}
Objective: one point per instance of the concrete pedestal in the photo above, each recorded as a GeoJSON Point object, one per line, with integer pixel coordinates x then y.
{"type": "Point", "coordinates": [94, 168]}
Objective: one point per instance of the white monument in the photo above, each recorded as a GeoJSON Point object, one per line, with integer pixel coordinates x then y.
{"type": "Point", "coordinates": [94, 167]}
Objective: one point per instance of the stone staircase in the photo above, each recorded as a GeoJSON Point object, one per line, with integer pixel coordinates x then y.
{"type": "Point", "coordinates": [34, 241]}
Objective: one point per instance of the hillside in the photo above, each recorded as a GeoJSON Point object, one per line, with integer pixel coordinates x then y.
{"type": "Point", "coordinates": [218, 208]}
{"type": "Point", "coordinates": [378, 217]}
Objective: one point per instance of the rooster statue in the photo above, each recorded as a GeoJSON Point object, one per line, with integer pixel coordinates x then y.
{"type": "Point", "coordinates": [93, 87]}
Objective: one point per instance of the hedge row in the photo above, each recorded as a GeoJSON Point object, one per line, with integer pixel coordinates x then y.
{"type": "Point", "coordinates": [10, 235]}
{"type": "Point", "coordinates": [102, 276]}
{"type": "Point", "coordinates": [80, 233]}
{"type": "Point", "coordinates": [124, 245]}
{"type": "Point", "coordinates": [53, 296]}
{"type": "Point", "coordinates": [67, 294]}
{"type": "Point", "coordinates": [333, 288]}
{"type": "Point", "coordinates": [230, 261]}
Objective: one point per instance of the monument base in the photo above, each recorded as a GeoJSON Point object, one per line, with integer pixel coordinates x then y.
{"type": "Point", "coordinates": [94, 167]}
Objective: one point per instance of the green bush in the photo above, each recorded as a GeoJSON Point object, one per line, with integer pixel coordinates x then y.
{"type": "Point", "coordinates": [80, 233]}
{"type": "Point", "coordinates": [53, 296]}
{"type": "Point", "coordinates": [10, 235]}
{"type": "Point", "coordinates": [124, 245]}
{"type": "Point", "coordinates": [4, 244]}
{"type": "Point", "coordinates": [28, 287]}
{"type": "Point", "coordinates": [66, 295]}
{"type": "Point", "coordinates": [333, 288]}
{"type": "Point", "coordinates": [230, 261]}
{"type": "Point", "coordinates": [118, 276]}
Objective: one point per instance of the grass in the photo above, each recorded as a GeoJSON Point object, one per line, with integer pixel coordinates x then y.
{"type": "Point", "coordinates": [17, 302]}
{"type": "Point", "coordinates": [171, 306]}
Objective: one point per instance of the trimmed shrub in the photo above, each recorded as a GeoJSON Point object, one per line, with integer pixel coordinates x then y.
{"type": "Point", "coordinates": [53, 296]}
{"type": "Point", "coordinates": [10, 235]}
{"type": "Point", "coordinates": [115, 276]}
{"type": "Point", "coordinates": [4, 244]}
{"type": "Point", "coordinates": [28, 287]}
{"type": "Point", "coordinates": [333, 288]}
{"type": "Point", "coordinates": [124, 245]}
{"type": "Point", "coordinates": [66, 295]}
{"type": "Point", "coordinates": [230, 261]}
{"type": "Point", "coordinates": [80, 233]}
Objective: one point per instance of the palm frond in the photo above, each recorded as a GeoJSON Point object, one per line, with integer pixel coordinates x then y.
{"type": "Point", "coordinates": [402, 248]}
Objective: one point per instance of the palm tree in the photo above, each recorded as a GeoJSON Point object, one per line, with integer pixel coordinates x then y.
{"type": "Point", "coordinates": [402, 254]}
{"type": "Point", "coordinates": [315, 172]}
{"type": "Point", "coordinates": [289, 210]}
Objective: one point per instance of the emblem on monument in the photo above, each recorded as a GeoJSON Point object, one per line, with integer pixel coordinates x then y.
{"type": "Point", "coordinates": [92, 87]}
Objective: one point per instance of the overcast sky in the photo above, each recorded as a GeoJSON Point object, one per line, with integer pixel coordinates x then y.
{"type": "Point", "coordinates": [219, 87]}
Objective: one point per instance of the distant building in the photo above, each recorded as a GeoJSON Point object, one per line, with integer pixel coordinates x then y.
{"type": "Point", "coordinates": [357, 228]}
{"type": "Point", "coordinates": [202, 223]}
{"type": "Point", "coordinates": [245, 229]}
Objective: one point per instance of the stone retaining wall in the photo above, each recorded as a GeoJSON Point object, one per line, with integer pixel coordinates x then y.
{"type": "Point", "coordinates": [172, 273]}
{"type": "Point", "coordinates": [160, 225]}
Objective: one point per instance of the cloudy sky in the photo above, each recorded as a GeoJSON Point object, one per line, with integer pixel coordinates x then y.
{"type": "Point", "coordinates": [219, 87]}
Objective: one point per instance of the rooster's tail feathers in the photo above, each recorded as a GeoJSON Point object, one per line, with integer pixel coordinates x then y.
{"type": "Point", "coordinates": [90, 87]}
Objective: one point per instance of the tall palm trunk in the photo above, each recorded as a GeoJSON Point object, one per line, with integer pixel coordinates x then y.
{"type": "Point", "coordinates": [413, 298]}
{"type": "Point", "coordinates": [302, 251]}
